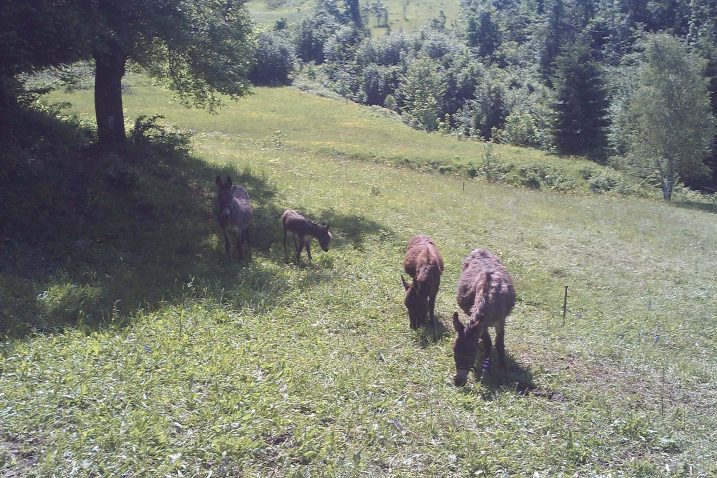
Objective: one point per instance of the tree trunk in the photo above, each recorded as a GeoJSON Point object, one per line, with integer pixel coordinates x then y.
{"type": "Point", "coordinates": [109, 70]}
{"type": "Point", "coordinates": [669, 180]}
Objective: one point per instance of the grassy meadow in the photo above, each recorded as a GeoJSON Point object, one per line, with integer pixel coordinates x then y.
{"type": "Point", "coordinates": [152, 356]}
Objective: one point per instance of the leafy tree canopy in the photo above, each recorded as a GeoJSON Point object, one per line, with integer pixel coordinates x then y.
{"type": "Point", "coordinates": [674, 125]}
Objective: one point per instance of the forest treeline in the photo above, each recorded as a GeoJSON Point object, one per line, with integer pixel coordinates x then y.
{"type": "Point", "coordinates": [632, 83]}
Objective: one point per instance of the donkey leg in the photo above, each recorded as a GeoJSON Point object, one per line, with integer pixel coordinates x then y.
{"type": "Point", "coordinates": [299, 243]}
{"type": "Point", "coordinates": [432, 307]}
{"type": "Point", "coordinates": [485, 338]}
{"type": "Point", "coordinates": [239, 240]}
{"type": "Point", "coordinates": [227, 245]}
{"type": "Point", "coordinates": [308, 247]}
{"type": "Point", "coordinates": [500, 345]}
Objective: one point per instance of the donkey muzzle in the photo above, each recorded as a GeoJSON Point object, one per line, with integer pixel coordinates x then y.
{"type": "Point", "coordinates": [461, 377]}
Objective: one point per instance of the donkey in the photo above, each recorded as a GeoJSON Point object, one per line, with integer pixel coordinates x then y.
{"type": "Point", "coordinates": [303, 229]}
{"type": "Point", "coordinates": [424, 264]}
{"type": "Point", "coordinates": [234, 213]}
{"type": "Point", "coordinates": [486, 294]}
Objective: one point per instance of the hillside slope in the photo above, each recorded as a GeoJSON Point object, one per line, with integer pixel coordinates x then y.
{"type": "Point", "coordinates": [302, 120]}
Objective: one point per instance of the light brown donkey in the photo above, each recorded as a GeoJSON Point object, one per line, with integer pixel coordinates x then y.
{"type": "Point", "coordinates": [424, 264]}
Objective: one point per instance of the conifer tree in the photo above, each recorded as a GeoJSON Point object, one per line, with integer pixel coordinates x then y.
{"type": "Point", "coordinates": [581, 106]}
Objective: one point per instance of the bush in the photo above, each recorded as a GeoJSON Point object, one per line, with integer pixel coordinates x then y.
{"type": "Point", "coordinates": [539, 176]}
{"type": "Point", "coordinates": [311, 36]}
{"type": "Point", "coordinates": [521, 129]}
{"type": "Point", "coordinates": [273, 61]}
{"type": "Point", "coordinates": [147, 130]}
{"type": "Point", "coordinates": [604, 182]}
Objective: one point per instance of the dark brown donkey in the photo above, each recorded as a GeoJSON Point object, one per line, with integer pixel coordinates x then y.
{"type": "Point", "coordinates": [234, 214]}
{"type": "Point", "coordinates": [486, 294]}
{"type": "Point", "coordinates": [303, 229]}
{"type": "Point", "coordinates": [424, 264]}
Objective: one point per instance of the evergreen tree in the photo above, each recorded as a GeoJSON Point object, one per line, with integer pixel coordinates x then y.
{"type": "Point", "coordinates": [555, 34]}
{"type": "Point", "coordinates": [483, 33]}
{"type": "Point", "coordinates": [581, 106]}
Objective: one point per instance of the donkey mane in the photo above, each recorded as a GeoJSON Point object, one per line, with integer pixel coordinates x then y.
{"type": "Point", "coordinates": [484, 294]}
{"type": "Point", "coordinates": [312, 222]}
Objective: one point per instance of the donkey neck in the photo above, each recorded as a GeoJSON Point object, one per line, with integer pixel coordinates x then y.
{"type": "Point", "coordinates": [313, 228]}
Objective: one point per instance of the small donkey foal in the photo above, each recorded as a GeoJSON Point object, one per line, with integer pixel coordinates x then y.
{"type": "Point", "coordinates": [303, 229]}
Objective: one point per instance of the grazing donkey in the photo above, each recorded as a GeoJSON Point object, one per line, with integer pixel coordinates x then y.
{"type": "Point", "coordinates": [302, 229]}
{"type": "Point", "coordinates": [486, 294]}
{"type": "Point", "coordinates": [234, 213]}
{"type": "Point", "coordinates": [424, 264]}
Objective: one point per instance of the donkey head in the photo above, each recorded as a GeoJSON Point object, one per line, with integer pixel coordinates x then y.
{"type": "Point", "coordinates": [415, 303]}
{"type": "Point", "coordinates": [324, 237]}
{"type": "Point", "coordinates": [465, 350]}
{"type": "Point", "coordinates": [224, 197]}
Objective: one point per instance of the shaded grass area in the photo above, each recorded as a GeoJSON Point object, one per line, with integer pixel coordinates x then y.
{"type": "Point", "coordinates": [93, 237]}
{"type": "Point", "coordinates": [270, 368]}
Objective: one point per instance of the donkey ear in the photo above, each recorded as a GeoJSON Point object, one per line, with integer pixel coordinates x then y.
{"type": "Point", "coordinates": [218, 180]}
{"type": "Point", "coordinates": [228, 181]}
{"type": "Point", "coordinates": [457, 324]}
{"type": "Point", "coordinates": [405, 285]}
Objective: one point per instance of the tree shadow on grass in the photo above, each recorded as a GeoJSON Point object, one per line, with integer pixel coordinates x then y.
{"type": "Point", "coordinates": [134, 230]}
{"type": "Point", "coordinates": [91, 237]}
{"type": "Point", "coordinates": [352, 229]}
{"type": "Point", "coordinates": [696, 206]}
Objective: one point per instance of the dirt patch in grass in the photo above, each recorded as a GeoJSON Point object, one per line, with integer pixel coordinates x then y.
{"type": "Point", "coordinates": [15, 459]}
{"type": "Point", "coordinates": [527, 390]}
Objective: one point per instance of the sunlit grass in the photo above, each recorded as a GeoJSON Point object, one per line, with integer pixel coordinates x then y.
{"type": "Point", "coordinates": [323, 125]}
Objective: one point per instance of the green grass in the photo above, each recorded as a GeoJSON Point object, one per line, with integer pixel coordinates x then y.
{"type": "Point", "coordinates": [403, 15]}
{"type": "Point", "coordinates": [300, 120]}
{"type": "Point", "coordinates": [173, 361]}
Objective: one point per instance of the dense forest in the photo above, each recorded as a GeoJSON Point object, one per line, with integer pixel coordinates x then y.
{"type": "Point", "coordinates": [622, 82]}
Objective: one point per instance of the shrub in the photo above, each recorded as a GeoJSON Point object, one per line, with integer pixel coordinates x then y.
{"type": "Point", "coordinates": [604, 182]}
{"type": "Point", "coordinates": [274, 60]}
